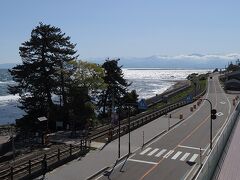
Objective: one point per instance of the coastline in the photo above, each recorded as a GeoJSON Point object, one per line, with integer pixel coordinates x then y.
{"type": "Point", "coordinates": [178, 84]}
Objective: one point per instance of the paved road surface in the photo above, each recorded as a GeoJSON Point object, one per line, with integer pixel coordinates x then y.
{"type": "Point", "coordinates": [172, 156]}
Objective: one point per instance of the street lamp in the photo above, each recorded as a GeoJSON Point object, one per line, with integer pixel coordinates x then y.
{"type": "Point", "coordinates": [213, 116]}
{"type": "Point", "coordinates": [129, 127]}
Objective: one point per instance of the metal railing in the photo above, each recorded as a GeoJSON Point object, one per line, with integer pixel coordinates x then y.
{"type": "Point", "coordinates": [143, 118]}
{"type": "Point", "coordinates": [34, 167]}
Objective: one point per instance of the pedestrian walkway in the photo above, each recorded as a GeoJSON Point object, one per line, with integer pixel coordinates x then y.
{"type": "Point", "coordinates": [228, 167]}
{"type": "Point", "coordinates": [98, 159]}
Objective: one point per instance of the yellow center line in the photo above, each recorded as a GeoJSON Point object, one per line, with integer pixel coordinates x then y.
{"type": "Point", "coordinates": [193, 131]}
{"type": "Point", "coordinates": [190, 134]}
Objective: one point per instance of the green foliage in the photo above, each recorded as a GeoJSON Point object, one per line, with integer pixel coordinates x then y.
{"type": "Point", "coordinates": [233, 67]}
{"type": "Point", "coordinates": [82, 109]}
{"type": "Point", "coordinates": [131, 97]}
{"type": "Point", "coordinates": [116, 86]}
{"type": "Point", "coordinates": [89, 75]}
{"type": "Point", "coordinates": [45, 70]}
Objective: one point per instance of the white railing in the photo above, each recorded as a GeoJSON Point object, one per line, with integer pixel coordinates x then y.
{"type": "Point", "coordinates": [212, 159]}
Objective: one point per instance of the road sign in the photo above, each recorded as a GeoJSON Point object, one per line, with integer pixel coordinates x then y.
{"type": "Point", "coordinates": [189, 98]}
{"type": "Point", "coordinates": [219, 114]}
{"type": "Point", "coordinates": [142, 104]}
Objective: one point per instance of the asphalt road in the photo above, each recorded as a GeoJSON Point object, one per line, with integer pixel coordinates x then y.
{"type": "Point", "coordinates": [173, 155]}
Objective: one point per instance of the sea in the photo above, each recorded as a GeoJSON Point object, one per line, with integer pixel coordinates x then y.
{"type": "Point", "coordinates": [146, 82]}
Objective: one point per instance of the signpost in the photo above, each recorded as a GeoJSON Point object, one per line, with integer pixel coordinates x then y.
{"type": "Point", "coordinates": [189, 98]}
{"type": "Point", "coordinates": [142, 105]}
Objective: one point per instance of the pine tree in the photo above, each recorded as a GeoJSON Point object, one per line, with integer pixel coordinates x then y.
{"type": "Point", "coordinates": [116, 86]}
{"type": "Point", "coordinates": [45, 70]}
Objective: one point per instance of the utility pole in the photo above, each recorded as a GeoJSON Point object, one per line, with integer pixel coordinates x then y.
{"type": "Point", "coordinates": [129, 130]}
{"type": "Point", "coordinates": [13, 145]}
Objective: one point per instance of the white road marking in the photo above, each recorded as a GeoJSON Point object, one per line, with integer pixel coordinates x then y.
{"type": "Point", "coordinates": [193, 158]}
{"type": "Point", "coordinates": [146, 150]}
{"type": "Point", "coordinates": [160, 153]}
{"type": "Point", "coordinates": [219, 114]}
{"type": "Point", "coordinates": [176, 155]}
{"type": "Point", "coordinates": [184, 156]}
{"type": "Point", "coordinates": [189, 147]}
{"type": "Point", "coordinates": [222, 102]}
{"type": "Point", "coordinates": [140, 161]}
{"type": "Point", "coordinates": [152, 152]}
{"type": "Point", "coordinates": [168, 154]}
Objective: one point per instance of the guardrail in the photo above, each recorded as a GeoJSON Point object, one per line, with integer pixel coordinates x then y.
{"type": "Point", "coordinates": [40, 165]}
{"type": "Point", "coordinates": [141, 119]}
{"type": "Point", "coordinates": [147, 114]}
{"type": "Point", "coordinates": [211, 161]}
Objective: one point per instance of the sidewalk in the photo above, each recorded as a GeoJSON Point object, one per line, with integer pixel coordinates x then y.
{"type": "Point", "coordinates": [229, 164]}
{"type": "Point", "coordinates": [98, 159]}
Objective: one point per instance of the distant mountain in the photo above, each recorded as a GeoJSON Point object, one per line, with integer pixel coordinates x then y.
{"type": "Point", "coordinates": [190, 61]}
{"type": "Point", "coordinates": [196, 61]}
{"type": "Point", "coordinates": [7, 65]}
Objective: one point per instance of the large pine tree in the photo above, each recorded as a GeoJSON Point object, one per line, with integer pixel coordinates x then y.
{"type": "Point", "coordinates": [112, 96]}
{"type": "Point", "coordinates": [45, 70]}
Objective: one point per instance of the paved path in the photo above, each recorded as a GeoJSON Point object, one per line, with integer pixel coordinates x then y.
{"type": "Point", "coordinates": [98, 159]}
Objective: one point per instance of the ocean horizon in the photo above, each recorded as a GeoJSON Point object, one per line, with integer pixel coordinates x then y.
{"type": "Point", "coordinates": [146, 81]}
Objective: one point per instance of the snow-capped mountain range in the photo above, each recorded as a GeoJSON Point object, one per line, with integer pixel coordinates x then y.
{"type": "Point", "coordinates": [195, 61]}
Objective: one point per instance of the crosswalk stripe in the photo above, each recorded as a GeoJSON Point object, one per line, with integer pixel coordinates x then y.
{"type": "Point", "coordinates": [193, 158]}
{"type": "Point", "coordinates": [146, 150]}
{"type": "Point", "coordinates": [176, 155]}
{"type": "Point", "coordinates": [184, 156]}
{"type": "Point", "coordinates": [168, 154]}
{"type": "Point", "coordinates": [152, 152]}
{"type": "Point", "coordinates": [160, 153]}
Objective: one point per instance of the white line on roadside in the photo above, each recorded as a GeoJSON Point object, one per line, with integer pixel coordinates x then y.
{"type": "Point", "coordinates": [184, 156]}
{"type": "Point", "coordinates": [141, 161]}
{"type": "Point", "coordinates": [160, 153]}
{"type": "Point", "coordinates": [168, 154]}
{"type": "Point", "coordinates": [176, 155]}
{"type": "Point", "coordinates": [189, 147]}
{"type": "Point", "coordinates": [193, 158]}
{"type": "Point", "coordinates": [146, 150]}
{"type": "Point", "coordinates": [152, 152]}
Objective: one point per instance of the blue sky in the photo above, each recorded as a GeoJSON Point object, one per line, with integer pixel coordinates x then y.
{"type": "Point", "coordinates": [126, 28]}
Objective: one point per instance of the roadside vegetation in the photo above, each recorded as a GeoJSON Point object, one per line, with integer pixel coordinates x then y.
{"type": "Point", "coordinates": [196, 81]}
{"type": "Point", "coordinates": [71, 94]}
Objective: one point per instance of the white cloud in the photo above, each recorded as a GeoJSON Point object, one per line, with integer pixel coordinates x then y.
{"type": "Point", "coordinates": [229, 57]}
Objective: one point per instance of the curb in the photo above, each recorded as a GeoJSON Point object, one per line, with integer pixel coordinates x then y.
{"type": "Point", "coordinates": [105, 168]}
{"type": "Point", "coordinates": [97, 173]}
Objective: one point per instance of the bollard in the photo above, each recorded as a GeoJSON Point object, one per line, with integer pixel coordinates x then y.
{"type": "Point", "coordinates": [11, 173]}
{"type": "Point", "coordinates": [58, 154]}
{"type": "Point", "coordinates": [200, 156]}
{"type": "Point", "coordinates": [70, 150]}
{"type": "Point", "coordinates": [143, 139]}
{"type": "Point", "coordinates": [181, 116]}
{"type": "Point", "coordinates": [29, 167]}
{"type": "Point", "coordinates": [191, 109]}
{"type": "Point", "coordinates": [234, 103]}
